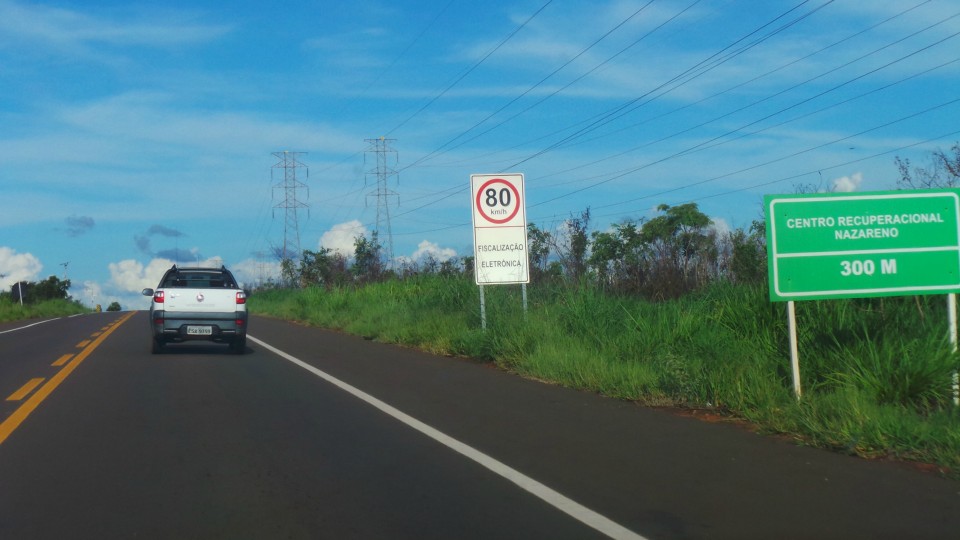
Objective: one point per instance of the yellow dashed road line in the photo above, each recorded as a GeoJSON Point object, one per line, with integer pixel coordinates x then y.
{"type": "Point", "coordinates": [14, 420]}
{"type": "Point", "coordinates": [62, 360]}
{"type": "Point", "coordinates": [25, 390]}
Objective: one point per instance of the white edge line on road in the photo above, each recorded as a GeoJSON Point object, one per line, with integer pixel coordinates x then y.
{"type": "Point", "coordinates": [27, 326]}
{"type": "Point", "coordinates": [574, 509]}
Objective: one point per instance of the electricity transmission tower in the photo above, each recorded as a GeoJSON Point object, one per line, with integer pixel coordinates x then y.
{"type": "Point", "coordinates": [290, 203]}
{"type": "Point", "coordinates": [381, 149]}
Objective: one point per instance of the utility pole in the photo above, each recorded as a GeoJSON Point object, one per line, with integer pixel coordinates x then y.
{"type": "Point", "coordinates": [290, 203]}
{"type": "Point", "coordinates": [381, 149]}
{"type": "Point", "coordinates": [259, 255]}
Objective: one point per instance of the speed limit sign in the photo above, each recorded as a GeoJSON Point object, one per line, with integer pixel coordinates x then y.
{"type": "Point", "coordinates": [498, 200]}
{"type": "Point", "coordinates": [499, 228]}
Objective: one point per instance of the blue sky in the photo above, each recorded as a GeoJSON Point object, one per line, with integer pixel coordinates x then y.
{"type": "Point", "coordinates": [139, 133]}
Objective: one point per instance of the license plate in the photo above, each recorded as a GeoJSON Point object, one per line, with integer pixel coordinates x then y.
{"type": "Point", "coordinates": [199, 330]}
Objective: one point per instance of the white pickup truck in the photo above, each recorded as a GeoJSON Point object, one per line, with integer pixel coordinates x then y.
{"type": "Point", "coordinates": [198, 304]}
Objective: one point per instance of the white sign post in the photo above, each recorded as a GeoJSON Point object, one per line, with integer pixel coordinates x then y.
{"type": "Point", "coordinates": [499, 231]}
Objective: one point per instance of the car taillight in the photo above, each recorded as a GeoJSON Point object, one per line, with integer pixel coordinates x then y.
{"type": "Point", "coordinates": [241, 297]}
{"type": "Point", "coordinates": [158, 297]}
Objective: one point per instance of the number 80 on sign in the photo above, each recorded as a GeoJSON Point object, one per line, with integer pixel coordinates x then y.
{"type": "Point", "coordinates": [497, 200]}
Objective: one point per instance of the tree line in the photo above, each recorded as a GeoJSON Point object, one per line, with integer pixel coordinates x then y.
{"type": "Point", "coordinates": [664, 257]}
{"type": "Point", "coordinates": [34, 292]}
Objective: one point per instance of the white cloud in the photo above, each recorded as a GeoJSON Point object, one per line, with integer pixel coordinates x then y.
{"type": "Point", "coordinates": [428, 248]}
{"type": "Point", "coordinates": [341, 237]}
{"type": "Point", "coordinates": [132, 276]}
{"type": "Point", "coordinates": [721, 226]}
{"type": "Point", "coordinates": [90, 293]}
{"type": "Point", "coordinates": [76, 32]}
{"type": "Point", "coordinates": [16, 267]}
{"type": "Point", "coordinates": [847, 184]}
{"type": "Point", "coordinates": [251, 272]}
{"type": "Point", "coordinates": [91, 289]}
{"type": "Point", "coordinates": [170, 128]}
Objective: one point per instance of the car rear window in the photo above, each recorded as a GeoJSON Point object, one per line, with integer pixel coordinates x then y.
{"type": "Point", "coordinates": [198, 281]}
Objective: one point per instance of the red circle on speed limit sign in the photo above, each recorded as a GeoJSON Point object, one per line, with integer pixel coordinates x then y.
{"type": "Point", "coordinates": [498, 201]}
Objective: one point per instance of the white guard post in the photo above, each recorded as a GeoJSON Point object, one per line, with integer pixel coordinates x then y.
{"type": "Point", "coordinates": [483, 310]}
{"type": "Point", "coordinates": [952, 319]}
{"type": "Point", "coordinates": [794, 350]}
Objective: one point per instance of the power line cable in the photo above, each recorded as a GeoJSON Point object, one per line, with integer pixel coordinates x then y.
{"type": "Point", "coordinates": [828, 107]}
{"type": "Point", "coordinates": [798, 175]}
{"type": "Point", "coordinates": [402, 53]}
{"type": "Point", "coordinates": [470, 69]}
{"type": "Point", "coordinates": [704, 144]}
{"type": "Point", "coordinates": [574, 81]}
{"type": "Point", "coordinates": [747, 82]}
{"type": "Point", "coordinates": [756, 166]}
{"type": "Point", "coordinates": [380, 75]}
{"type": "Point", "coordinates": [831, 167]}
{"type": "Point", "coordinates": [444, 146]}
{"type": "Point", "coordinates": [782, 158]}
{"type": "Point", "coordinates": [600, 119]}
{"type": "Point", "coordinates": [707, 144]}
{"type": "Point", "coordinates": [686, 76]}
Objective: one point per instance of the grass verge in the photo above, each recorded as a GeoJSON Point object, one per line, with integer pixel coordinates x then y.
{"type": "Point", "coordinates": [12, 311]}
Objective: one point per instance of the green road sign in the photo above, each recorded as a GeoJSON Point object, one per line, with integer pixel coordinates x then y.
{"type": "Point", "coordinates": [864, 244]}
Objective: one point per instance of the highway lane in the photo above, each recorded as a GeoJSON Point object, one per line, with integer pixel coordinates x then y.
{"type": "Point", "coordinates": [33, 353]}
{"type": "Point", "coordinates": [198, 443]}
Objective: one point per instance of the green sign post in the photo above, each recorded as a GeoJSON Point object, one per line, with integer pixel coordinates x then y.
{"type": "Point", "coordinates": [864, 244]}
{"type": "Point", "coordinates": [857, 245]}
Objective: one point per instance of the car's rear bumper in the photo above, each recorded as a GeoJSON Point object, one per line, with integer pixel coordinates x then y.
{"type": "Point", "coordinates": [177, 326]}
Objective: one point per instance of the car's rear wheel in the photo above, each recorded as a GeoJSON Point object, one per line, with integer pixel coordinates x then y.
{"type": "Point", "coordinates": [239, 345]}
{"type": "Point", "coordinates": [156, 345]}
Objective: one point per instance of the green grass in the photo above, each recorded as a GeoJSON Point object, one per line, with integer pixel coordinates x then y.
{"type": "Point", "coordinates": [876, 373]}
{"type": "Point", "coordinates": [12, 311]}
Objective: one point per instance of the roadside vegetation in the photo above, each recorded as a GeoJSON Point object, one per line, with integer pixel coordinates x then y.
{"type": "Point", "coordinates": [666, 313]}
{"type": "Point", "coordinates": [35, 300]}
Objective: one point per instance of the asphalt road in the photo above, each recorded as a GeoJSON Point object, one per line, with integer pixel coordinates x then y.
{"type": "Point", "coordinates": [314, 434]}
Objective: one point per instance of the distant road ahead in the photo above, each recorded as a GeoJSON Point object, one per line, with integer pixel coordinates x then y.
{"type": "Point", "coordinates": [314, 434]}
